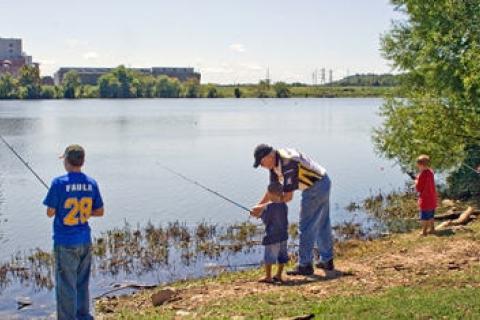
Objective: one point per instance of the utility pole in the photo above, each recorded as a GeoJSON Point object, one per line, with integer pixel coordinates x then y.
{"type": "Point", "coordinates": [267, 79]}
{"type": "Point", "coordinates": [315, 77]}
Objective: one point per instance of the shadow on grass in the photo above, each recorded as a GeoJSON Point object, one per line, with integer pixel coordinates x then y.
{"type": "Point", "coordinates": [444, 233]}
{"type": "Point", "coordinates": [329, 275]}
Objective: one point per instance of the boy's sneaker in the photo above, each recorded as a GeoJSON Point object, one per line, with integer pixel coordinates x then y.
{"type": "Point", "coordinates": [301, 271]}
{"type": "Point", "coordinates": [329, 266]}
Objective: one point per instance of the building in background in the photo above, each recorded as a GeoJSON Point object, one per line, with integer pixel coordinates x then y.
{"type": "Point", "coordinates": [48, 81]}
{"type": "Point", "coordinates": [91, 75]}
{"type": "Point", "coordinates": [12, 57]}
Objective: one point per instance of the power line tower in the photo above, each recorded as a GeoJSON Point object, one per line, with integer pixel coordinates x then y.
{"type": "Point", "coordinates": [323, 76]}
{"type": "Point", "coordinates": [330, 76]}
{"type": "Point", "coordinates": [267, 78]}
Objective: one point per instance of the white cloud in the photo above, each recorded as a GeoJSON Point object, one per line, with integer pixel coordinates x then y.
{"type": "Point", "coordinates": [252, 66]}
{"type": "Point", "coordinates": [218, 69]}
{"type": "Point", "coordinates": [90, 55]}
{"type": "Point", "coordinates": [75, 43]}
{"type": "Point", "coordinates": [237, 47]}
{"type": "Point", "coordinates": [46, 62]}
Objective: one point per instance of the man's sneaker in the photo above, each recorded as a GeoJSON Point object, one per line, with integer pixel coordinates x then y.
{"type": "Point", "coordinates": [301, 271]}
{"type": "Point", "coordinates": [326, 265]}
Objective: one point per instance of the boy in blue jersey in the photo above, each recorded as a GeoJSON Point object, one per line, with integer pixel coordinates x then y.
{"type": "Point", "coordinates": [72, 199]}
{"type": "Point", "coordinates": [274, 216]}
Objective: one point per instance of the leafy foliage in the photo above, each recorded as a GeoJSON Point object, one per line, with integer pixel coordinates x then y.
{"type": "Point", "coordinates": [212, 91]}
{"type": "Point", "coordinates": [191, 89]}
{"type": "Point", "coordinates": [71, 83]}
{"type": "Point", "coordinates": [369, 80]}
{"type": "Point", "coordinates": [8, 86]}
{"type": "Point", "coordinates": [281, 90]}
{"type": "Point", "coordinates": [237, 92]}
{"type": "Point", "coordinates": [168, 87]}
{"type": "Point", "coordinates": [30, 82]}
{"type": "Point", "coordinates": [437, 46]}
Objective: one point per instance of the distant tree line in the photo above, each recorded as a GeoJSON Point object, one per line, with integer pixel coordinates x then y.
{"type": "Point", "coordinates": [369, 80]}
{"type": "Point", "coordinates": [122, 82]}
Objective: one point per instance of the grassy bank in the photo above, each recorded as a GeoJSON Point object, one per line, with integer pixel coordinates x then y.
{"type": "Point", "coordinates": [251, 91]}
{"type": "Point", "coordinates": [402, 276]}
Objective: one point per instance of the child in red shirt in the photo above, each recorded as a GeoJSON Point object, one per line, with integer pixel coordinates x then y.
{"type": "Point", "coordinates": [427, 200]}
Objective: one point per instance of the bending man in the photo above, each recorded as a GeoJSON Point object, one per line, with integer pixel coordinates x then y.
{"type": "Point", "coordinates": [296, 171]}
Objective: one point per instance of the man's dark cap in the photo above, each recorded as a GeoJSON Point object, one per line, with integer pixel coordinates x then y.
{"type": "Point", "coordinates": [275, 187]}
{"type": "Point", "coordinates": [261, 151]}
{"type": "Point", "coordinates": [75, 155]}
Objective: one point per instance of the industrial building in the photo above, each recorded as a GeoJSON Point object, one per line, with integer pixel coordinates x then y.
{"type": "Point", "coordinates": [91, 75]}
{"type": "Point", "coordinates": [12, 57]}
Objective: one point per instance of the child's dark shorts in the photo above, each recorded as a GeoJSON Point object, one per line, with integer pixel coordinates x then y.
{"type": "Point", "coordinates": [276, 253]}
{"type": "Point", "coordinates": [427, 215]}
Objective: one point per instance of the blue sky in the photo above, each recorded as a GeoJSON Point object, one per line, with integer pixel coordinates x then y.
{"type": "Point", "coordinates": [228, 41]}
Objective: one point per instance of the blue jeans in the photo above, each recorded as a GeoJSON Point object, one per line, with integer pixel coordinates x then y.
{"type": "Point", "coordinates": [314, 222]}
{"type": "Point", "coordinates": [72, 274]}
{"type": "Point", "coordinates": [276, 253]}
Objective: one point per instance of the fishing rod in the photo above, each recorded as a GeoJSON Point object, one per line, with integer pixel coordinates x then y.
{"type": "Point", "coordinates": [206, 188]}
{"type": "Point", "coordinates": [25, 163]}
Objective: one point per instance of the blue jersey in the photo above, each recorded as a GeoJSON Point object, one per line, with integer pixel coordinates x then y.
{"type": "Point", "coordinates": [73, 196]}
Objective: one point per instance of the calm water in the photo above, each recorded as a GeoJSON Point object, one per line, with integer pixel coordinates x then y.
{"type": "Point", "coordinates": [128, 142]}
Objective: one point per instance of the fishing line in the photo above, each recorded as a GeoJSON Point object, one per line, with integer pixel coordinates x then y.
{"type": "Point", "coordinates": [25, 163]}
{"type": "Point", "coordinates": [218, 194]}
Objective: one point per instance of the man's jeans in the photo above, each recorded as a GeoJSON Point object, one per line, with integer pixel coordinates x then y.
{"type": "Point", "coordinates": [314, 223]}
{"type": "Point", "coordinates": [72, 274]}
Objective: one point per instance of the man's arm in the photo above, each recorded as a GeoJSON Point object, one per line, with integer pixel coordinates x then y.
{"type": "Point", "coordinates": [50, 212]}
{"type": "Point", "coordinates": [98, 212]}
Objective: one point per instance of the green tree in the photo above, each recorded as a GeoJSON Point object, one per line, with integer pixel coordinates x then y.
{"type": "Point", "coordinates": [191, 88]}
{"type": "Point", "coordinates": [71, 83]}
{"type": "Point", "coordinates": [147, 86]}
{"type": "Point", "coordinates": [90, 91]}
{"type": "Point", "coordinates": [437, 46]}
{"type": "Point", "coordinates": [125, 78]}
{"type": "Point", "coordinates": [48, 92]}
{"type": "Point", "coordinates": [167, 87]}
{"type": "Point", "coordinates": [281, 90]}
{"type": "Point", "coordinates": [237, 92]}
{"type": "Point", "coordinates": [8, 87]}
{"type": "Point", "coordinates": [109, 86]}
{"type": "Point", "coordinates": [212, 91]}
{"type": "Point", "coordinates": [262, 89]}
{"type": "Point", "coordinates": [30, 81]}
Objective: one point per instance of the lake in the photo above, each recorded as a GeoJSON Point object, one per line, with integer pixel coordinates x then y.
{"type": "Point", "coordinates": [128, 143]}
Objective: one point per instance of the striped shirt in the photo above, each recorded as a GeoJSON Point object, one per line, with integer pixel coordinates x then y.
{"type": "Point", "coordinates": [295, 170]}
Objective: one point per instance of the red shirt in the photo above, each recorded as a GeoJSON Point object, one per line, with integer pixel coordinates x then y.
{"type": "Point", "coordinates": [426, 188]}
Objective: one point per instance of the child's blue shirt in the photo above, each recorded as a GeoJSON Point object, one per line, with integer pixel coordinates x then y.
{"type": "Point", "coordinates": [274, 216]}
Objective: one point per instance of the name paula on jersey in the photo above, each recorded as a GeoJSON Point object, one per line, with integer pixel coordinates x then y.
{"type": "Point", "coordinates": [79, 187]}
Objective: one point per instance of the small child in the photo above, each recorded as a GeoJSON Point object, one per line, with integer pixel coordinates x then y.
{"type": "Point", "coordinates": [274, 216]}
{"type": "Point", "coordinates": [427, 200]}
{"type": "Point", "coordinates": [72, 199]}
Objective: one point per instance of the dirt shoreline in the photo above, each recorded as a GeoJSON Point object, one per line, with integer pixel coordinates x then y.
{"type": "Point", "coordinates": [363, 267]}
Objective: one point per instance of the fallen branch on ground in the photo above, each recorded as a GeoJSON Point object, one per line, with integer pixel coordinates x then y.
{"type": "Point", "coordinates": [462, 219]}
{"type": "Point", "coordinates": [453, 215]}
